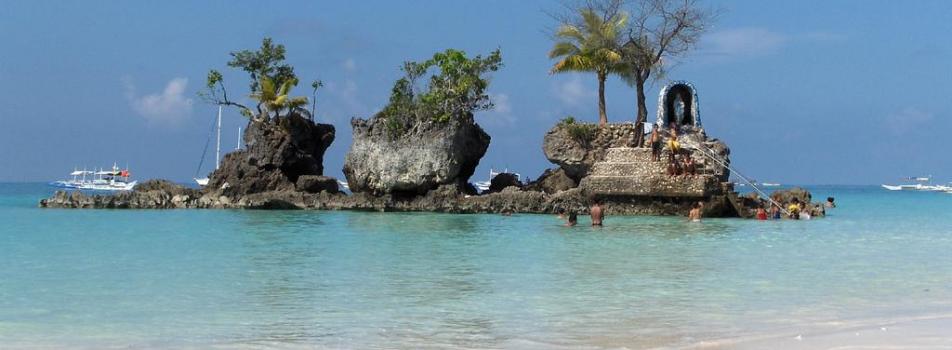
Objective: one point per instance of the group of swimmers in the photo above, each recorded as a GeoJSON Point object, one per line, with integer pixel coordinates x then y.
{"type": "Point", "coordinates": [796, 210]}
{"type": "Point", "coordinates": [597, 213]}
{"type": "Point", "coordinates": [678, 162]}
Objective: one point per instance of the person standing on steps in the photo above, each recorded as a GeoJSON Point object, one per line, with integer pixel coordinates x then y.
{"type": "Point", "coordinates": [655, 142]}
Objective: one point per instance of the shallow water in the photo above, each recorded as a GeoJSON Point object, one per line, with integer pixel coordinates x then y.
{"type": "Point", "coordinates": [286, 279]}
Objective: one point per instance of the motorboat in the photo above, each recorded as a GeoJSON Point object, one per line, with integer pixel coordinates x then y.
{"type": "Point", "coordinates": [483, 186]}
{"type": "Point", "coordinates": [114, 179]}
{"type": "Point", "coordinates": [922, 184]}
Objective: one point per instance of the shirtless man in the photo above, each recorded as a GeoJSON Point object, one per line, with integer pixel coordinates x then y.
{"type": "Point", "coordinates": [695, 214]}
{"type": "Point", "coordinates": [655, 142]}
{"type": "Point", "coordinates": [597, 212]}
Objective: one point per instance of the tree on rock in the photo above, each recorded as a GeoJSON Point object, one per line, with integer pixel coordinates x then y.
{"type": "Point", "coordinates": [588, 42]}
{"type": "Point", "coordinates": [659, 32]}
{"type": "Point", "coordinates": [456, 90]}
{"type": "Point", "coordinates": [271, 82]}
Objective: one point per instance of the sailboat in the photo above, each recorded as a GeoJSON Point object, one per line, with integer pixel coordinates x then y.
{"type": "Point", "coordinates": [204, 181]}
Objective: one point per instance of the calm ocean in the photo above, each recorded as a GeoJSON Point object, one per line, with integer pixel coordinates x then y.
{"type": "Point", "coordinates": [301, 279]}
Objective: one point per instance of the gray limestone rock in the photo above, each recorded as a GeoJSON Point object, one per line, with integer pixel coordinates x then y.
{"type": "Point", "coordinates": [425, 156]}
{"type": "Point", "coordinates": [575, 156]}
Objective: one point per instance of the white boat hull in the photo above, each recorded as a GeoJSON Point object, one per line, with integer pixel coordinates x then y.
{"type": "Point", "coordinates": [202, 182]}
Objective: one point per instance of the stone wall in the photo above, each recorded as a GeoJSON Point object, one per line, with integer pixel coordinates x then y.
{"type": "Point", "coordinates": [576, 157]}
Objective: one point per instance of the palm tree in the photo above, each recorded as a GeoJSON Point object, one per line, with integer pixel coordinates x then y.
{"type": "Point", "coordinates": [276, 98]}
{"type": "Point", "coordinates": [590, 46]}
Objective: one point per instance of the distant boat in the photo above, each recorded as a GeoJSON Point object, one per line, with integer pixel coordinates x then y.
{"type": "Point", "coordinates": [204, 180]}
{"type": "Point", "coordinates": [103, 180]}
{"type": "Point", "coordinates": [770, 184]}
{"type": "Point", "coordinates": [483, 186]}
{"type": "Point", "coordinates": [922, 185]}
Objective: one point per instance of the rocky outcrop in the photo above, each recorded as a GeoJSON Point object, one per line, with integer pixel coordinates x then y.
{"type": "Point", "coordinates": [419, 159]}
{"type": "Point", "coordinates": [576, 153]}
{"type": "Point", "coordinates": [502, 181]}
{"type": "Point", "coordinates": [153, 194]}
{"type": "Point", "coordinates": [276, 154]}
{"type": "Point", "coordinates": [317, 184]}
{"type": "Point", "coordinates": [552, 181]}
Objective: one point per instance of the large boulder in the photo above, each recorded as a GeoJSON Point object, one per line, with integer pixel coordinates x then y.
{"type": "Point", "coordinates": [552, 181]}
{"type": "Point", "coordinates": [317, 184]}
{"type": "Point", "coordinates": [422, 157]}
{"type": "Point", "coordinates": [503, 180]}
{"type": "Point", "coordinates": [575, 152]}
{"type": "Point", "coordinates": [276, 154]}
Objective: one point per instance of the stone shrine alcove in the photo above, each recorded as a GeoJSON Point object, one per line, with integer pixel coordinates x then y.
{"type": "Point", "coordinates": [677, 103]}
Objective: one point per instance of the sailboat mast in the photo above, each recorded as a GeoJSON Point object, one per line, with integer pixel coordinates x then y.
{"type": "Point", "coordinates": [218, 140]}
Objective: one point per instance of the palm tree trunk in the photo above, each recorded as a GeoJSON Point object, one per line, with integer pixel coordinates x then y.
{"type": "Point", "coordinates": [642, 117]}
{"type": "Point", "coordinates": [602, 116]}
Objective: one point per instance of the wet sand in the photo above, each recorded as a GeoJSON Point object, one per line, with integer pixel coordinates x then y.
{"type": "Point", "coordinates": [924, 332]}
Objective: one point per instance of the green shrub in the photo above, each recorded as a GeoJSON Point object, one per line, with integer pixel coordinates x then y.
{"type": "Point", "coordinates": [583, 133]}
{"type": "Point", "coordinates": [458, 89]}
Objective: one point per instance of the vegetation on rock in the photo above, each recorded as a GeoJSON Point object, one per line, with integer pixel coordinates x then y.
{"type": "Point", "coordinates": [583, 133]}
{"type": "Point", "coordinates": [456, 90]}
{"type": "Point", "coordinates": [592, 38]}
{"type": "Point", "coordinates": [271, 82]}
{"type": "Point", "coordinates": [590, 45]}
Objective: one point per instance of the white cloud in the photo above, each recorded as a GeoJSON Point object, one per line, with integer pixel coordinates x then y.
{"type": "Point", "coordinates": [341, 101]}
{"type": "Point", "coordinates": [572, 92]}
{"type": "Point", "coordinates": [350, 65]}
{"type": "Point", "coordinates": [501, 102]}
{"type": "Point", "coordinates": [744, 42]}
{"type": "Point", "coordinates": [908, 119]}
{"type": "Point", "coordinates": [167, 108]}
{"type": "Point", "coordinates": [501, 114]}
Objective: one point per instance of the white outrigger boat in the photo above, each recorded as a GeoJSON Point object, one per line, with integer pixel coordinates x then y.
{"type": "Point", "coordinates": [921, 185]}
{"type": "Point", "coordinates": [103, 180]}
{"type": "Point", "coordinates": [483, 186]}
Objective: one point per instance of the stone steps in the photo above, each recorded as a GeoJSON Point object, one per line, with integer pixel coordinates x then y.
{"type": "Point", "coordinates": [627, 155]}
{"type": "Point", "coordinates": [628, 168]}
{"type": "Point", "coordinates": [652, 185]}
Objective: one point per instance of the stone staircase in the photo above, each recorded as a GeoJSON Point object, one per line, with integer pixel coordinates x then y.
{"type": "Point", "coordinates": [628, 171]}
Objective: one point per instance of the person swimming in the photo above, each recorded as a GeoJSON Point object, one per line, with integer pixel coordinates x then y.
{"type": "Point", "coordinates": [572, 220]}
{"type": "Point", "coordinates": [597, 212]}
{"type": "Point", "coordinates": [830, 203]}
{"type": "Point", "coordinates": [775, 213]}
{"type": "Point", "coordinates": [794, 209]}
{"type": "Point", "coordinates": [761, 213]}
{"type": "Point", "coordinates": [695, 214]}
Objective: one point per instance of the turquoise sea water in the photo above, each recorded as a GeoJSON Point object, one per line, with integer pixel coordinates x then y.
{"type": "Point", "coordinates": [302, 279]}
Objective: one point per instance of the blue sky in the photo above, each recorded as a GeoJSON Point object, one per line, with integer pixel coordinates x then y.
{"type": "Point", "coordinates": [807, 92]}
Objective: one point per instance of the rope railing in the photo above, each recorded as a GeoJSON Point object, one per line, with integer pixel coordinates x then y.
{"type": "Point", "coordinates": [713, 156]}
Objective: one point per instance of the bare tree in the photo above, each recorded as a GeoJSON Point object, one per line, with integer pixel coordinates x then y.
{"type": "Point", "coordinates": [659, 31]}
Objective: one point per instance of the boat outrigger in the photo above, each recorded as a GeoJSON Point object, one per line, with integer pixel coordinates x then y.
{"type": "Point", "coordinates": [922, 184]}
{"type": "Point", "coordinates": [114, 179]}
